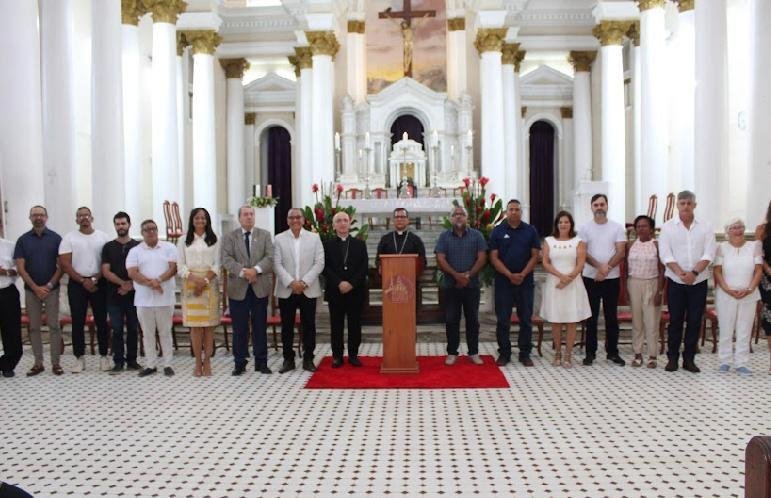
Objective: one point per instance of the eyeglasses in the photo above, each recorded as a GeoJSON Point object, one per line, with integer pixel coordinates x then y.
{"type": "Point", "coordinates": [150, 229]}
{"type": "Point", "coordinates": [401, 216]}
{"type": "Point", "coordinates": [293, 217]}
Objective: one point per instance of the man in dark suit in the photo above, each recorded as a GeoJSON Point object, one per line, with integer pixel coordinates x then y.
{"type": "Point", "coordinates": [401, 240]}
{"type": "Point", "coordinates": [345, 270]}
{"type": "Point", "coordinates": [247, 255]}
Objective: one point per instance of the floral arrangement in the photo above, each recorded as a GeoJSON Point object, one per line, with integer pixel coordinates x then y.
{"type": "Point", "coordinates": [262, 202]}
{"type": "Point", "coordinates": [319, 219]}
{"type": "Point", "coordinates": [481, 216]}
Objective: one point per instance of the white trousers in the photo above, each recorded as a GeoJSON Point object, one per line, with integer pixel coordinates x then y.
{"type": "Point", "coordinates": [734, 315]}
{"type": "Point", "coordinates": [152, 318]}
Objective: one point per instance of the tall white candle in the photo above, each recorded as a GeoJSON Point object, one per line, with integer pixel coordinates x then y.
{"type": "Point", "coordinates": [337, 140]}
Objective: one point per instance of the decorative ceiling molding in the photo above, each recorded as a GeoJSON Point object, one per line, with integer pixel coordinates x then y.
{"type": "Point", "coordinates": [556, 42]}
{"type": "Point", "coordinates": [581, 17]}
{"type": "Point", "coordinates": [255, 49]}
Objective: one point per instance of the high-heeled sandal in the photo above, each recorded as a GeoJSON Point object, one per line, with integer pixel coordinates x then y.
{"type": "Point", "coordinates": [568, 361]}
{"type": "Point", "coordinates": [557, 359]}
{"type": "Point", "coordinates": [207, 367]}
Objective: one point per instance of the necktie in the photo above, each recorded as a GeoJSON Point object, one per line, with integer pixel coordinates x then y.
{"type": "Point", "coordinates": [248, 244]}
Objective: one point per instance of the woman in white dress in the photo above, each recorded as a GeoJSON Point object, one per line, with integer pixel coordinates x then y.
{"type": "Point", "coordinates": [738, 269]}
{"type": "Point", "coordinates": [564, 302]}
{"type": "Point", "coordinates": [199, 267]}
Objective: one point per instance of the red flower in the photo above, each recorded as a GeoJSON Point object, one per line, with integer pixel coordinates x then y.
{"type": "Point", "coordinates": [319, 214]}
{"type": "Point", "coordinates": [467, 182]}
{"type": "Point", "coordinates": [339, 187]}
{"type": "Point", "coordinates": [483, 181]}
{"type": "Point", "coordinates": [485, 217]}
{"type": "Point", "coordinates": [492, 198]}
{"type": "Point", "coordinates": [315, 188]}
{"type": "Point", "coordinates": [334, 211]}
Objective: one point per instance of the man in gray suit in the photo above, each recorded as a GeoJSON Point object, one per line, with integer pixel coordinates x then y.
{"type": "Point", "coordinates": [299, 260]}
{"type": "Point", "coordinates": [247, 255]}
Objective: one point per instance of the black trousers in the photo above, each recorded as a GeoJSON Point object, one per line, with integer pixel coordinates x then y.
{"type": "Point", "coordinates": [10, 328]}
{"type": "Point", "coordinates": [79, 299]}
{"type": "Point", "coordinates": [607, 292]}
{"type": "Point", "coordinates": [289, 307]}
{"type": "Point", "coordinates": [686, 304]}
{"type": "Point", "coordinates": [341, 306]}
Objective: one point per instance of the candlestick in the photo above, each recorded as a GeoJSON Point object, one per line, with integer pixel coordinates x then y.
{"type": "Point", "coordinates": [337, 141]}
{"type": "Point", "coordinates": [366, 140]}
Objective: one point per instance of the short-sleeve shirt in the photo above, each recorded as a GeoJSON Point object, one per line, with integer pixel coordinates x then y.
{"type": "Point", "coordinates": [461, 253]}
{"type": "Point", "coordinates": [114, 253]}
{"type": "Point", "coordinates": [152, 262]}
{"type": "Point", "coordinates": [86, 250]}
{"type": "Point", "coordinates": [40, 253]}
{"type": "Point", "coordinates": [514, 247]}
{"type": "Point", "coordinates": [601, 241]}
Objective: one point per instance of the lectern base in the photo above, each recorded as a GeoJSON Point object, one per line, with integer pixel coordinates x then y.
{"type": "Point", "coordinates": [400, 370]}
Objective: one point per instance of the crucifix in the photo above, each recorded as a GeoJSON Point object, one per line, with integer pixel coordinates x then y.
{"type": "Point", "coordinates": [408, 33]}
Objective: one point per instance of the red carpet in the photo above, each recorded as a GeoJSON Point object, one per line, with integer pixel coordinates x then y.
{"type": "Point", "coordinates": [433, 375]}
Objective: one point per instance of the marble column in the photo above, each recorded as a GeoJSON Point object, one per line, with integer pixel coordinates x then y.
{"type": "Point", "coordinates": [107, 172]}
{"type": "Point", "coordinates": [21, 128]}
{"type": "Point", "coordinates": [249, 157]}
{"type": "Point", "coordinates": [456, 57]}
{"type": "Point", "coordinates": [654, 107]}
{"type": "Point", "coordinates": [131, 86]}
{"type": "Point", "coordinates": [183, 144]}
{"type": "Point", "coordinates": [323, 46]}
{"type": "Point", "coordinates": [357, 61]}
{"type": "Point", "coordinates": [510, 118]}
{"type": "Point", "coordinates": [582, 114]}
{"type": "Point", "coordinates": [636, 87]}
{"type": "Point", "coordinates": [711, 137]}
{"type": "Point", "coordinates": [489, 43]}
{"type": "Point", "coordinates": [613, 114]}
{"type": "Point", "coordinates": [760, 113]}
{"type": "Point", "coordinates": [237, 186]}
{"type": "Point", "coordinates": [304, 113]}
{"type": "Point", "coordinates": [522, 173]}
{"type": "Point", "coordinates": [204, 43]}
{"type": "Point", "coordinates": [567, 159]}
{"type": "Point", "coordinates": [164, 104]}
{"type": "Point", "coordinates": [58, 105]}
{"type": "Point", "coordinates": [683, 110]}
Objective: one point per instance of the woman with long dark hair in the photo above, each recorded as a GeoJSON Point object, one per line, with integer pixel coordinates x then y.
{"type": "Point", "coordinates": [199, 267]}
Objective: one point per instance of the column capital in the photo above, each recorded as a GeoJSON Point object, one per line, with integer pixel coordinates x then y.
{"type": "Point", "coordinates": [250, 118]}
{"type": "Point", "coordinates": [456, 24]}
{"type": "Point", "coordinates": [295, 62]}
{"type": "Point", "coordinates": [490, 39]}
{"type": "Point", "coordinates": [633, 33]}
{"type": "Point", "coordinates": [684, 5]}
{"type": "Point", "coordinates": [323, 42]}
{"type": "Point", "coordinates": [203, 41]}
{"type": "Point", "coordinates": [566, 112]}
{"type": "Point", "coordinates": [131, 11]}
{"type": "Point", "coordinates": [181, 43]}
{"type": "Point", "coordinates": [355, 26]}
{"type": "Point", "coordinates": [304, 57]}
{"type": "Point", "coordinates": [650, 4]}
{"type": "Point", "coordinates": [234, 68]}
{"type": "Point", "coordinates": [582, 59]}
{"type": "Point", "coordinates": [524, 111]}
{"type": "Point", "coordinates": [509, 52]}
{"type": "Point", "coordinates": [611, 32]}
{"type": "Point", "coordinates": [518, 58]}
{"type": "Point", "coordinates": [165, 10]}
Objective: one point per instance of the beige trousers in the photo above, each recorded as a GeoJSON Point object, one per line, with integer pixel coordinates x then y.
{"type": "Point", "coordinates": [35, 309]}
{"type": "Point", "coordinates": [645, 315]}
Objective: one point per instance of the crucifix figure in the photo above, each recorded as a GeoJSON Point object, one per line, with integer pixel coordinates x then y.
{"type": "Point", "coordinates": [406, 15]}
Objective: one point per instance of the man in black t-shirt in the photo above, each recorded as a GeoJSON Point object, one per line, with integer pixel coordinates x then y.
{"type": "Point", "coordinates": [120, 295]}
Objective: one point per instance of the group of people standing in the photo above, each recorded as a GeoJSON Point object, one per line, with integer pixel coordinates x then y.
{"type": "Point", "coordinates": [133, 282]}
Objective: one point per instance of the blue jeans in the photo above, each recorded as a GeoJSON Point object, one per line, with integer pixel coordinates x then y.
{"type": "Point", "coordinates": [123, 313]}
{"type": "Point", "coordinates": [686, 304]}
{"type": "Point", "coordinates": [455, 300]}
{"type": "Point", "coordinates": [255, 310]}
{"type": "Point", "coordinates": [506, 296]}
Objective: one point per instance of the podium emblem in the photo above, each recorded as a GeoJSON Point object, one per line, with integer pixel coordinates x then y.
{"type": "Point", "coordinates": [399, 290]}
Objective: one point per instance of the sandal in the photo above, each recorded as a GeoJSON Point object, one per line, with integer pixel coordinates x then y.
{"type": "Point", "coordinates": [557, 359]}
{"type": "Point", "coordinates": [36, 369]}
{"type": "Point", "coordinates": [568, 362]}
{"type": "Point", "coordinates": [57, 370]}
{"type": "Point", "coordinates": [637, 362]}
{"type": "Point", "coordinates": [652, 363]}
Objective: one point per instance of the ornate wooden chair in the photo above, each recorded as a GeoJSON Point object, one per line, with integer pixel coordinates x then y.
{"type": "Point", "coordinates": [354, 193]}
{"type": "Point", "coordinates": [669, 208]}
{"type": "Point", "coordinates": [380, 193]}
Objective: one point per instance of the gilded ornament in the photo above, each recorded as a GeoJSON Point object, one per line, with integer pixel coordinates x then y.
{"type": "Point", "coordinates": [582, 59]}
{"type": "Point", "coordinates": [250, 118]}
{"type": "Point", "coordinates": [181, 43]}
{"type": "Point", "coordinates": [295, 64]}
{"type": "Point", "coordinates": [323, 42]}
{"type": "Point", "coordinates": [490, 40]}
{"type": "Point", "coordinates": [611, 32]}
{"type": "Point", "coordinates": [131, 11]}
{"type": "Point", "coordinates": [650, 4]}
{"type": "Point", "coordinates": [633, 33]}
{"type": "Point", "coordinates": [304, 57]}
{"type": "Point", "coordinates": [684, 5]}
{"type": "Point", "coordinates": [204, 41]}
{"type": "Point", "coordinates": [234, 68]}
{"type": "Point", "coordinates": [355, 26]}
{"type": "Point", "coordinates": [509, 53]}
{"type": "Point", "coordinates": [566, 112]}
{"type": "Point", "coordinates": [165, 10]}
{"type": "Point", "coordinates": [518, 58]}
{"type": "Point", "coordinates": [524, 111]}
{"type": "Point", "coordinates": [456, 24]}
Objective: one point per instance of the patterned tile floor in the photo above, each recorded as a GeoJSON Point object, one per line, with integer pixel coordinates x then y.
{"type": "Point", "coordinates": [590, 431]}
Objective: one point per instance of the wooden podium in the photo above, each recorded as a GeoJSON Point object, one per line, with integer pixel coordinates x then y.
{"type": "Point", "coordinates": [398, 276]}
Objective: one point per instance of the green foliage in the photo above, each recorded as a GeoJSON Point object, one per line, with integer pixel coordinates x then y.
{"type": "Point", "coordinates": [319, 218]}
{"type": "Point", "coordinates": [262, 202]}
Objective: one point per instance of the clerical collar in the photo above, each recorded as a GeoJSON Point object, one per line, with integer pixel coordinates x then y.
{"type": "Point", "coordinates": [400, 233]}
{"type": "Point", "coordinates": [343, 238]}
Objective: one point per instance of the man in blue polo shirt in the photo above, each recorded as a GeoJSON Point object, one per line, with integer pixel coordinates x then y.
{"type": "Point", "coordinates": [514, 247]}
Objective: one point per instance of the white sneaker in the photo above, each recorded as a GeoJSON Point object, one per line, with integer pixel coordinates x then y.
{"type": "Point", "coordinates": [80, 365]}
{"type": "Point", "coordinates": [105, 365]}
{"type": "Point", "coordinates": [451, 359]}
{"type": "Point", "coordinates": [475, 359]}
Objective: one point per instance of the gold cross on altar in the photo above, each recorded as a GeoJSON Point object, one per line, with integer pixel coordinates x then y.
{"type": "Point", "coordinates": [406, 15]}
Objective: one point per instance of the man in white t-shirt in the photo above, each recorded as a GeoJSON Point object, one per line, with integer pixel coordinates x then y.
{"type": "Point", "coordinates": [80, 256]}
{"type": "Point", "coordinates": [605, 243]}
{"type": "Point", "coordinates": [152, 266]}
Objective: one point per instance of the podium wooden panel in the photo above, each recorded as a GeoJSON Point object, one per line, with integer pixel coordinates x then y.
{"type": "Point", "coordinates": [399, 328]}
{"type": "Point", "coordinates": [757, 468]}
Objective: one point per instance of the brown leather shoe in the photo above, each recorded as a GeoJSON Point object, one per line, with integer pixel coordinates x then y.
{"type": "Point", "coordinates": [57, 370]}
{"type": "Point", "coordinates": [502, 361]}
{"type": "Point", "coordinates": [527, 362]}
{"type": "Point", "coordinates": [36, 369]}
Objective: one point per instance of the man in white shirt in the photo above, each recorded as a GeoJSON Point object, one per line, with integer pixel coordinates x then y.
{"type": "Point", "coordinates": [80, 255]}
{"type": "Point", "coordinates": [605, 246]}
{"type": "Point", "coordinates": [686, 247]}
{"type": "Point", "coordinates": [10, 318]}
{"type": "Point", "coordinates": [152, 266]}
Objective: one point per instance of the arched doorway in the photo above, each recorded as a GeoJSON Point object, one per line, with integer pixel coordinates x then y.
{"type": "Point", "coordinates": [410, 124]}
{"type": "Point", "coordinates": [279, 172]}
{"type": "Point", "coordinates": [542, 155]}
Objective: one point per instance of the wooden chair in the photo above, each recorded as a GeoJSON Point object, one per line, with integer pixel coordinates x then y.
{"type": "Point", "coordinates": [669, 207]}
{"type": "Point", "coordinates": [167, 216]}
{"type": "Point", "coordinates": [176, 219]}
{"type": "Point", "coordinates": [651, 213]}
{"type": "Point", "coordinates": [536, 321]}
{"type": "Point", "coordinates": [354, 193]}
{"type": "Point", "coordinates": [458, 191]}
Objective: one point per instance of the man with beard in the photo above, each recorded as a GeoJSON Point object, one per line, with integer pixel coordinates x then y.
{"type": "Point", "coordinates": [120, 295]}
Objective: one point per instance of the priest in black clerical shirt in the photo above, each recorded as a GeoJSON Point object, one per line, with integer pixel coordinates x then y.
{"type": "Point", "coordinates": [346, 284]}
{"type": "Point", "coordinates": [401, 240]}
